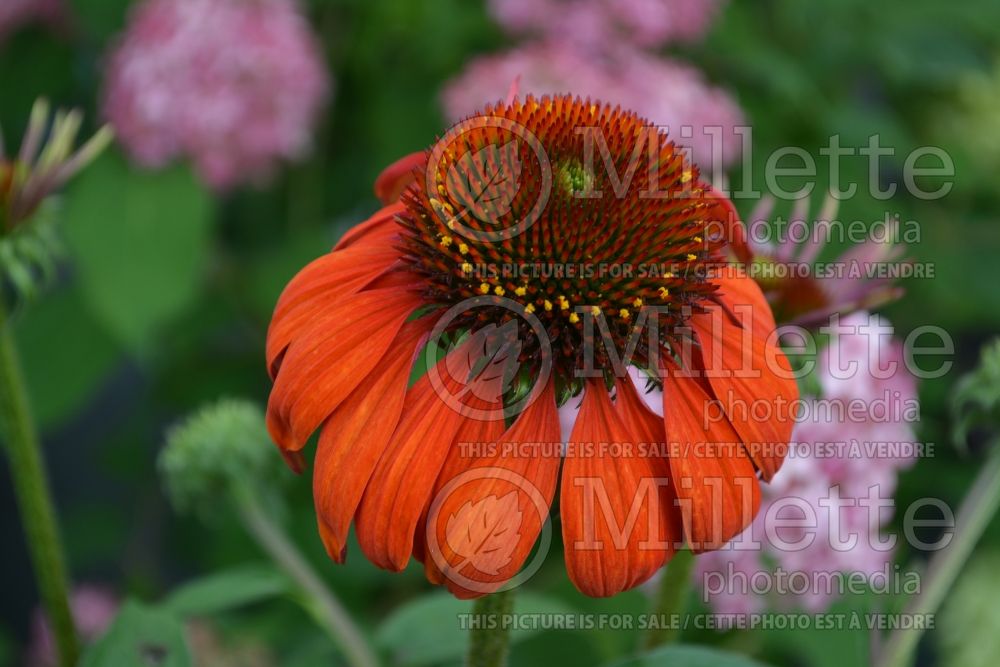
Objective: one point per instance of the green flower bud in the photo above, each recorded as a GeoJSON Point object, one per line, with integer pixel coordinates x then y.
{"type": "Point", "coordinates": [220, 451]}
{"type": "Point", "coordinates": [29, 180]}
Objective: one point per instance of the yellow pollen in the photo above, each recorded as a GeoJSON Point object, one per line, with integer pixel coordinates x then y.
{"type": "Point", "coordinates": [563, 303]}
{"type": "Point", "coordinates": [499, 291]}
{"type": "Point", "coordinates": [466, 267]}
{"type": "Point", "coordinates": [451, 224]}
{"type": "Point", "coordinates": [574, 318]}
{"type": "Point", "coordinates": [691, 257]}
{"type": "Point", "coordinates": [637, 303]}
{"type": "Point", "coordinates": [484, 288]}
{"type": "Point", "coordinates": [664, 292]}
{"type": "Point", "coordinates": [698, 239]}
{"type": "Point", "coordinates": [547, 304]}
{"type": "Point", "coordinates": [595, 310]}
{"type": "Point", "coordinates": [446, 241]}
{"type": "Point", "coordinates": [686, 176]}
{"type": "Point", "coordinates": [462, 248]}
{"type": "Point", "coordinates": [521, 291]}
{"type": "Point", "coordinates": [441, 190]}
{"type": "Point", "coordinates": [668, 274]}
{"type": "Point", "coordinates": [624, 314]}
{"type": "Point", "coordinates": [530, 308]}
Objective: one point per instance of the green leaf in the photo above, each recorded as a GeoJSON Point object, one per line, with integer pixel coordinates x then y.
{"type": "Point", "coordinates": [428, 630]}
{"type": "Point", "coordinates": [140, 242]}
{"type": "Point", "coordinates": [226, 590]}
{"type": "Point", "coordinates": [688, 656]}
{"type": "Point", "coordinates": [141, 636]}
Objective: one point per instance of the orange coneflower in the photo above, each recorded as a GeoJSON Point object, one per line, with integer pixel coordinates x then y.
{"type": "Point", "coordinates": [521, 263]}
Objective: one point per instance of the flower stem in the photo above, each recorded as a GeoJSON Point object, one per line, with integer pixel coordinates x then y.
{"type": "Point", "coordinates": [38, 516]}
{"type": "Point", "coordinates": [325, 608]}
{"type": "Point", "coordinates": [973, 517]}
{"type": "Point", "coordinates": [489, 637]}
{"type": "Point", "coordinates": [670, 598]}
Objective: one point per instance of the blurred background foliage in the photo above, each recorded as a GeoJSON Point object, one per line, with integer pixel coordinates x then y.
{"type": "Point", "coordinates": [165, 296]}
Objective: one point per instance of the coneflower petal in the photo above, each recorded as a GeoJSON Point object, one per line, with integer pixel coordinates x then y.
{"type": "Point", "coordinates": [748, 372]}
{"type": "Point", "coordinates": [321, 286]}
{"type": "Point", "coordinates": [648, 428]}
{"type": "Point", "coordinates": [715, 482]}
{"type": "Point", "coordinates": [471, 433]}
{"type": "Point", "coordinates": [485, 528]}
{"type": "Point", "coordinates": [330, 357]}
{"type": "Point", "coordinates": [613, 503]}
{"type": "Point", "coordinates": [356, 434]}
{"type": "Point", "coordinates": [375, 231]}
{"type": "Point", "coordinates": [400, 487]}
{"type": "Point", "coordinates": [393, 180]}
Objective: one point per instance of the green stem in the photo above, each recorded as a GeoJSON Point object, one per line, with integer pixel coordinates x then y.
{"type": "Point", "coordinates": [489, 635]}
{"type": "Point", "coordinates": [38, 516]}
{"type": "Point", "coordinates": [670, 600]}
{"type": "Point", "coordinates": [973, 517]}
{"type": "Point", "coordinates": [326, 609]}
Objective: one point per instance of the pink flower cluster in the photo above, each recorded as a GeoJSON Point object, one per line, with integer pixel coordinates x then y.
{"type": "Point", "coordinates": [16, 13]}
{"type": "Point", "coordinates": [235, 85]}
{"type": "Point", "coordinates": [594, 23]}
{"type": "Point", "coordinates": [845, 450]}
{"type": "Point", "coordinates": [595, 48]}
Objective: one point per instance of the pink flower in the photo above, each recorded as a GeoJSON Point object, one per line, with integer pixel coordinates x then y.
{"type": "Point", "coordinates": [93, 609]}
{"type": "Point", "coordinates": [234, 85]}
{"type": "Point", "coordinates": [16, 13]}
{"type": "Point", "coordinates": [843, 454]}
{"type": "Point", "coordinates": [598, 23]}
{"type": "Point", "coordinates": [666, 92]}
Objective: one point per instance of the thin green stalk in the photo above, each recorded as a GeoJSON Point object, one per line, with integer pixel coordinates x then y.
{"type": "Point", "coordinates": [670, 599]}
{"type": "Point", "coordinates": [34, 499]}
{"type": "Point", "coordinates": [326, 609]}
{"type": "Point", "coordinates": [489, 635]}
{"type": "Point", "coordinates": [973, 517]}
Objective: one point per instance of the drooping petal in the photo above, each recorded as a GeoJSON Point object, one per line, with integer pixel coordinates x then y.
{"type": "Point", "coordinates": [748, 372]}
{"type": "Point", "coordinates": [320, 286]}
{"type": "Point", "coordinates": [400, 487]}
{"type": "Point", "coordinates": [393, 180]}
{"type": "Point", "coordinates": [648, 428]}
{"type": "Point", "coordinates": [490, 505]}
{"type": "Point", "coordinates": [330, 357]}
{"type": "Point", "coordinates": [613, 502]}
{"type": "Point", "coordinates": [378, 230]}
{"type": "Point", "coordinates": [355, 435]}
{"type": "Point", "coordinates": [722, 214]}
{"type": "Point", "coordinates": [715, 482]}
{"type": "Point", "coordinates": [472, 433]}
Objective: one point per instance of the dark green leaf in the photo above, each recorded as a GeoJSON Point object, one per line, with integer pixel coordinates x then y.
{"type": "Point", "coordinates": [428, 630]}
{"type": "Point", "coordinates": [141, 636]}
{"type": "Point", "coordinates": [226, 590]}
{"type": "Point", "coordinates": [140, 243]}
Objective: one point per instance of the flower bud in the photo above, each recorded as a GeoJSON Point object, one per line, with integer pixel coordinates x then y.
{"type": "Point", "coordinates": [222, 449]}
